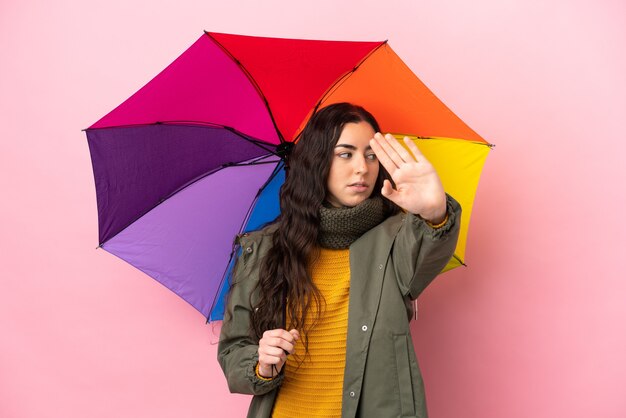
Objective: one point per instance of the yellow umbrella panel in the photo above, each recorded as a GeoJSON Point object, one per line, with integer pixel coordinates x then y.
{"type": "Point", "coordinates": [459, 164]}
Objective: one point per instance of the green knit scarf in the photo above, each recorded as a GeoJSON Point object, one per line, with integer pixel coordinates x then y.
{"type": "Point", "coordinates": [340, 227]}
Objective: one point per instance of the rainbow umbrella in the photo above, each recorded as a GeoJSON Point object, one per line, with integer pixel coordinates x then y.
{"type": "Point", "coordinates": [195, 157]}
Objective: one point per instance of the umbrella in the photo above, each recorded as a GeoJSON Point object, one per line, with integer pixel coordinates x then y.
{"type": "Point", "coordinates": [195, 157]}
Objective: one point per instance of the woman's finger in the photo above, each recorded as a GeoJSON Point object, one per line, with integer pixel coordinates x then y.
{"type": "Point", "coordinates": [294, 332]}
{"type": "Point", "coordinates": [280, 339]}
{"type": "Point", "coordinates": [387, 189]}
{"type": "Point", "coordinates": [274, 352]}
{"type": "Point", "coordinates": [282, 344]}
{"type": "Point", "coordinates": [402, 152]}
{"type": "Point", "coordinates": [391, 153]}
{"type": "Point", "coordinates": [279, 334]}
{"type": "Point", "coordinates": [392, 194]}
{"type": "Point", "coordinates": [419, 157]}
{"type": "Point", "coordinates": [382, 156]}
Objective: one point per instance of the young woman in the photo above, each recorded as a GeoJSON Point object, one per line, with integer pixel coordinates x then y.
{"type": "Point", "coordinates": [317, 323]}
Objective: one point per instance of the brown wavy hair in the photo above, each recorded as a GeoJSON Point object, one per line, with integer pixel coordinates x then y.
{"type": "Point", "coordinates": [285, 288]}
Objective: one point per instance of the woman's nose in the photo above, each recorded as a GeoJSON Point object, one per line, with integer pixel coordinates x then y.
{"type": "Point", "coordinates": [360, 165]}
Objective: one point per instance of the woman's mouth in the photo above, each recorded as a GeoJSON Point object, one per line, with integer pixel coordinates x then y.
{"type": "Point", "coordinates": [358, 187]}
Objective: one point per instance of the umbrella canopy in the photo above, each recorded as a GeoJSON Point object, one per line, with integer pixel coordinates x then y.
{"type": "Point", "coordinates": [194, 157]}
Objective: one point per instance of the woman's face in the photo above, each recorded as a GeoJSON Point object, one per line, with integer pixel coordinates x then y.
{"type": "Point", "coordinates": [354, 167]}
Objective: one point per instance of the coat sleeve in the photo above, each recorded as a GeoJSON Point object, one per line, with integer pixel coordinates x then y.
{"type": "Point", "coordinates": [237, 350]}
{"type": "Point", "coordinates": [420, 252]}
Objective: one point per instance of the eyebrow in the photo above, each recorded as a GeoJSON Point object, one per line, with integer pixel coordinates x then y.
{"type": "Point", "coordinates": [352, 147]}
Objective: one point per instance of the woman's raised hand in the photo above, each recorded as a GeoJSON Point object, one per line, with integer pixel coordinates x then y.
{"type": "Point", "coordinates": [274, 347]}
{"type": "Point", "coordinates": [418, 187]}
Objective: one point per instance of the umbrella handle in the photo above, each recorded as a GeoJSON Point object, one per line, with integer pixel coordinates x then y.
{"type": "Point", "coordinates": [284, 307]}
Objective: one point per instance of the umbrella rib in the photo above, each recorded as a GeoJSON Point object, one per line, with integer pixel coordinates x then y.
{"type": "Point", "coordinates": [219, 288]}
{"type": "Point", "coordinates": [254, 84]}
{"type": "Point", "coordinates": [344, 77]}
{"type": "Point", "coordinates": [256, 161]}
{"type": "Point", "coordinates": [441, 138]}
{"type": "Point", "coordinates": [457, 258]}
{"type": "Point", "coordinates": [160, 122]}
{"type": "Point", "coordinates": [340, 81]}
{"type": "Point", "coordinates": [215, 170]}
{"type": "Point", "coordinates": [256, 197]}
{"type": "Point", "coordinates": [252, 162]}
{"type": "Point", "coordinates": [277, 169]}
{"type": "Point", "coordinates": [259, 143]}
{"type": "Point", "coordinates": [253, 141]}
{"type": "Point", "coordinates": [192, 123]}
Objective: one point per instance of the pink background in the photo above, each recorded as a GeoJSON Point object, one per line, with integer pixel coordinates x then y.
{"type": "Point", "coordinates": [535, 327]}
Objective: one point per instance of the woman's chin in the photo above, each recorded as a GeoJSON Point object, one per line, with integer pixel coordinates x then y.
{"type": "Point", "coordinates": [354, 201]}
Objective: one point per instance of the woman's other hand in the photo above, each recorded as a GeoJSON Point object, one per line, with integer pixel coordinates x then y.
{"type": "Point", "coordinates": [274, 347]}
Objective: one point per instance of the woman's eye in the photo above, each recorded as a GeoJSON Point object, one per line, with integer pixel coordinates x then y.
{"type": "Point", "coordinates": [344, 155]}
{"type": "Point", "coordinates": [371, 156]}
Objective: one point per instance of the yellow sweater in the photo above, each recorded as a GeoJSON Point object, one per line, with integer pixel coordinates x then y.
{"type": "Point", "coordinates": [314, 388]}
